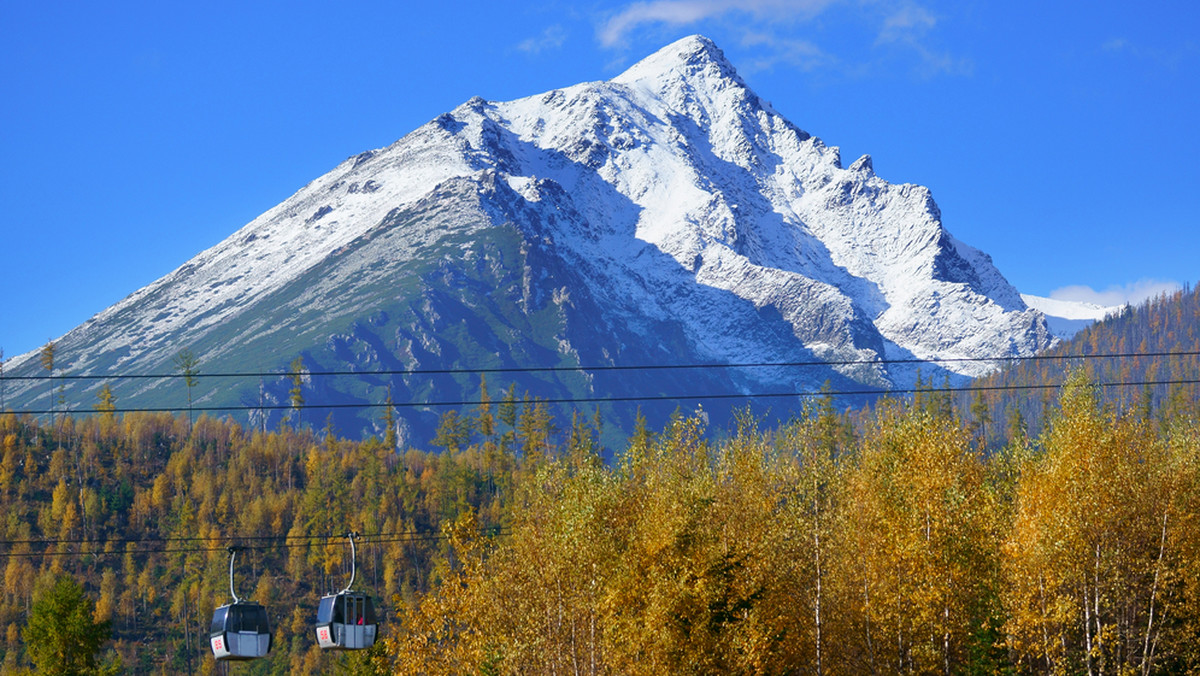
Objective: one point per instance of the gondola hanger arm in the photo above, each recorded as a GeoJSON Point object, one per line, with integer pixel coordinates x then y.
{"type": "Point", "coordinates": [352, 535]}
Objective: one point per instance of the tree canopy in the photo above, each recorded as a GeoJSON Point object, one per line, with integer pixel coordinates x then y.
{"type": "Point", "coordinates": [62, 636]}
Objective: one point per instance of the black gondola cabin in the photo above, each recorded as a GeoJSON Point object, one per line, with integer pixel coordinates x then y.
{"type": "Point", "coordinates": [346, 621]}
{"type": "Point", "coordinates": [240, 631]}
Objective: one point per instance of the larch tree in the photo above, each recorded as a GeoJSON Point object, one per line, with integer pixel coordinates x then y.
{"type": "Point", "coordinates": [389, 421]}
{"type": "Point", "coordinates": [106, 403]}
{"type": "Point", "coordinates": [46, 355]}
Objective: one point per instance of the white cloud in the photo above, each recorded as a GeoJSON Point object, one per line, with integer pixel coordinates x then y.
{"type": "Point", "coordinates": [909, 27]}
{"type": "Point", "coordinates": [1132, 293]}
{"type": "Point", "coordinates": [686, 12]}
{"type": "Point", "coordinates": [1164, 54]}
{"type": "Point", "coordinates": [551, 38]}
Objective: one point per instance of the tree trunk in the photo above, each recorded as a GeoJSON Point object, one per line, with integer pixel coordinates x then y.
{"type": "Point", "coordinates": [1147, 649]}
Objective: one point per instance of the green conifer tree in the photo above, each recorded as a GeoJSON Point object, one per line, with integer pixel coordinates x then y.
{"type": "Point", "coordinates": [187, 364]}
{"type": "Point", "coordinates": [296, 394]}
{"type": "Point", "coordinates": [62, 637]}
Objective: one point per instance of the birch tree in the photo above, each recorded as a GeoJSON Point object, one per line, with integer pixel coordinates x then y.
{"type": "Point", "coordinates": [920, 546]}
{"type": "Point", "coordinates": [1088, 559]}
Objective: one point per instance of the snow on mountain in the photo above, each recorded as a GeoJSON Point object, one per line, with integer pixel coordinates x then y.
{"type": "Point", "coordinates": [1068, 317]}
{"type": "Point", "coordinates": [666, 215]}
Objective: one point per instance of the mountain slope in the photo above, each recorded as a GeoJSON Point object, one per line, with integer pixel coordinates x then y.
{"type": "Point", "coordinates": [1142, 357]}
{"type": "Point", "coordinates": [668, 216]}
{"type": "Point", "coordinates": [1066, 318]}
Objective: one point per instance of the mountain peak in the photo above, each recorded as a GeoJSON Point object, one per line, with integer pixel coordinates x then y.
{"type": "Point", "coordinates": [665, 216]}
{"type": "Point", "coordinates": [693, 58]}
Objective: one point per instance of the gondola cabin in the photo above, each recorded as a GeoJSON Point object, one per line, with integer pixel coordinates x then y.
{"type": "Point", "coordinates": [346, 621]}
{"type": "Point", "coordinates": [240, 631]}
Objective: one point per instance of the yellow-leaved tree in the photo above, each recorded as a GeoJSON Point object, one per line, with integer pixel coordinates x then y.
{"type": "Point", "coordinates": [917, 561]}
{"type": "Point", "coordinates": [1089, 561]}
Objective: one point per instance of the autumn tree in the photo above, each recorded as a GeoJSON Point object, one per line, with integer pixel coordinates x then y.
{"type": "Point", "coordinates": [543, 604]}
{"type": "Point", "coordinates": [46, 356]}
{"type": "Point", "coordinates": [1088, 558]}
{"type": "Point", "coordinates": [389, 421]}
{"type": "Point", "coordinates": [1169, 643]}
{"type": "Point", "coordinates": [106, 403]}
{"type": "Point", "coordinates": [919, 545]}
{"type": "Point", "coordinates": [443, 633]}
{"type": "Point", "coordinates": [453, 432]}
{"type": "Point", "coordinates": [535, 429]}
{"type": "Point", "coordinates": [813, 450]}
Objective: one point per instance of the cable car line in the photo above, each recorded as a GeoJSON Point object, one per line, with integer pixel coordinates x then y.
{"type": "Point", "coordinates": [427, 537]}
{"type": "Point", "coordinates": [329, 536]}
{"type": "Point", "coordinates": [200, 550]}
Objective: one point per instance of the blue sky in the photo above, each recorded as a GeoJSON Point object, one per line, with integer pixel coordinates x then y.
{"type": "Point", "coordinates": [1060, 139]}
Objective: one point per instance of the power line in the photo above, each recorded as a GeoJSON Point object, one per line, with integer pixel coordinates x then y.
{"type": "Point", "coordinates": [606, 367]}
{"type": "Point", "coordinates": [609, 399]}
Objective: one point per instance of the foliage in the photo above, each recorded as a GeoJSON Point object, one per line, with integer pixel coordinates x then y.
{"type": "Point", "coordinates": [884, 541]}
{"type": "Point", "coordinates": [140, 508]}
{"type": "Point", "coordinates": [62, 637]}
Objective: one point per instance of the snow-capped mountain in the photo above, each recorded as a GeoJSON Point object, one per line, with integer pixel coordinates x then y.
{"type": "Point", "coordinates": [666, 216]}
{"type": "Point", "coordinates": [1068, 317]}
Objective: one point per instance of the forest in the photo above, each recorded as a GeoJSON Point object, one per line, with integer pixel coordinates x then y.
{"type": "Point", "coordinates": [888, 540]}
{"type": "Point", "coordinates": [1146, 356]}
{"type": "Point", "coordinates": [923, 534]}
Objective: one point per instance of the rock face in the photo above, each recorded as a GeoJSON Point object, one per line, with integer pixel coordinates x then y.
{"type": "Point", "coordinates": [667, 216]}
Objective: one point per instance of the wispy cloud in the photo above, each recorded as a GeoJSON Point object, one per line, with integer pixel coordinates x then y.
{"type": "Point", "coordinates": [1166, 54]}
{"type": "Point", "coordinates": [1132, 293]}
{"type": "Point", "coordinates": [1115, 45]}
{"type": "Point", "coordinates": [773, 49]}
{"type": "Point", "coordinates": [908, 27]}
{"type": "Point", "coordinates": [771, 28]}
{"type": "Point", "coordinates": [550, 39]}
